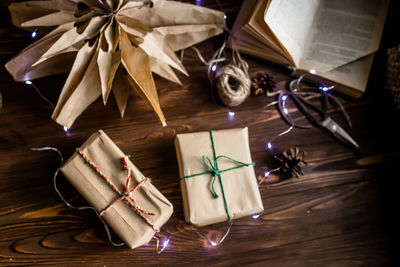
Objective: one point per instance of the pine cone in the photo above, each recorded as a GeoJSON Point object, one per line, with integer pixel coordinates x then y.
{"type": "Point", "coordinates": [261, 84]}
{"type": "Point", "coordinates": [293, 161]}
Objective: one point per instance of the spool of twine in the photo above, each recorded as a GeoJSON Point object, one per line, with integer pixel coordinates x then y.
{"type": "Point", "coordinates": [233, 85]}
{"type": "Point", "coordinates": [232, 81]}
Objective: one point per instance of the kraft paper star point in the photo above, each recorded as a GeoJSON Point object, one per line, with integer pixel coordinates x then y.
{"type": "Point", "coordinates": [108, 45]}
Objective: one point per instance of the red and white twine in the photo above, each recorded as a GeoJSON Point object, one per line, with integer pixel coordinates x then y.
{"type": "Point", "coordinates": [126, 196]}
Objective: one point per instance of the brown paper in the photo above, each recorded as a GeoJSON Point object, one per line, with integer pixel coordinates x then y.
{"type": "Point", "coordinates": [240, 185]}
{"type": "Point", "coordinates": [20, 67]}
{"type": "Point", "coordinates": [103, 152]}
{"type": "Point", "coordinates": [141, 37]}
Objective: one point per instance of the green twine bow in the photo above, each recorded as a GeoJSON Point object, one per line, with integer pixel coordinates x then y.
{"type": "Point", "coordinates": [214, 169]}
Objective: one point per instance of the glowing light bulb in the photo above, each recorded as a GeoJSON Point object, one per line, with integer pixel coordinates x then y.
{"type": "Point", "coordinates": [256, 216]}
{"type": "Point", "coordinates": [326, 88]}
{"type": "Point", "coordinates": [165, 244]}
{"type": "Point", "coordinates": [224, 16]}
{"type": "Point", "coordinates": [231, 115]}
{"type": "Point", "coordinates": [65, 129]}
{"type": "Point", "coordinates": [284, 97]}
{"type": "Point", "coordinates": [286, 111]}
{"type": "Point", "coordinates": [28, 82]}
{"type": "Point", "coordinates": [213, 243]}
{"type": "Point", "coordinates": [266, 174]}
{"type": "Point", "coordinates": [214, 67]}
{"type": "Point", "coordinates": [33, 34]}
{"type": "Point", "coordinates": [269, 145]}
{"type": "Point", "coordinates": [312, 71]}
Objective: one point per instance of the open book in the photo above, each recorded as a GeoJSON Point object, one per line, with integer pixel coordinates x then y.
{"type": "Point", "coordinates": [333, 39]}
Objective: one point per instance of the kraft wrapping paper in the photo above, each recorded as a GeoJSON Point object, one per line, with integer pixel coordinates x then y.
{"type": "Point", "coordinates": [241, 187]}
{"type": "Point", "coordinates": [108, 45]}
{"type": "Point", "coordinates": [103, 152]}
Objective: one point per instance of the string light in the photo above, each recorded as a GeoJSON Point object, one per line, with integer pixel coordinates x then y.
{"type": "Point", "coordinates": [214, 67]}
{"type": "Point", "coordinates": [282, 102]}
{"type": "Point", "coordinates": [65, 129]}
{"type": "Point", "coordinates": [30, 83]}
{"type": "Point", "coordinates": [256, 216]}
{"type": "Point", "coordinates": [33, 34]}
{"type": "Point", "coordinates": [224, 16]}
{"type": "Point", "coordinates": [312, 71]}
{"type": "Point", "coordinates": [266, 174]}
{"type": "Point", "coordinates": [213, 243]}
{"type": "Point", "coordinates": [283, 98]}
{"type": "Point", "coordinates": [231, 115]}
{"type": "Point", "coordinates": [269, 145]}
{"type": "Point", "coordinates": [326, 88]}
{"type": "Point", "coordinates": [166, 242]}
{"type": "Point", "coordinates": [165, 245]}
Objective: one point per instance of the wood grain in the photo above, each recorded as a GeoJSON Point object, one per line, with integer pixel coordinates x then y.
{"type": "Point", "coordinates": [340, 213]}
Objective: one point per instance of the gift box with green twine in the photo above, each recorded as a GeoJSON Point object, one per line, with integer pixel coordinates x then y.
{"type": "Point", "coordinates": [217, 176]}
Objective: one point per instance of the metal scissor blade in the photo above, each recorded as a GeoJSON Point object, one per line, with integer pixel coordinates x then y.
{"type": "Point", "coordinates": [338, 132]}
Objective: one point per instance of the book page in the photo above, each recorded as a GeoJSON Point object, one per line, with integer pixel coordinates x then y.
{"type": "Point", "coordinates": [264, 52]}
{"type": "Point", "coordinates": [342, 32]}
{"type": "Point", "coordinates": [237, 33]}
{"type": "Point", "coordinates": [256, 25]}
{"type": "Point", "coordinates": [354, 74]}
{"type": "Point", "coordinates": [350, 79]}
{"type": "Point", "coordinates": [291, 21]}
{"type": "Point", "coordinates": [245, 42]}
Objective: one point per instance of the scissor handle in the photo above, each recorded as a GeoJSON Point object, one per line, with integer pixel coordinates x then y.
{"type": "Point", "coordinates": [301, 104]}
{"type": "Point", "coordinates": [285, 115]}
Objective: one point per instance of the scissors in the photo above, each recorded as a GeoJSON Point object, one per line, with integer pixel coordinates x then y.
{"type": "Point", "coordinates": [305, 106]}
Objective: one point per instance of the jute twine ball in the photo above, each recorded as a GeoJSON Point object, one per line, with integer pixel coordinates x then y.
{"type": "Point", "coordinates": [233, 85]}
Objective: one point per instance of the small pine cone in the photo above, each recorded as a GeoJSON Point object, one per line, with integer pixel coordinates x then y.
{"type": "Point", "coordinates": [257, 91]}
{"type": "Point", "coordinates": [261, 84]}
{"type": "Point", "coordinates": [293, 161]}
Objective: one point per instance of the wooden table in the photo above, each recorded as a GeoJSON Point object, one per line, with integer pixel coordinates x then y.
{"type": "Point", "coordinates": [340, 213]}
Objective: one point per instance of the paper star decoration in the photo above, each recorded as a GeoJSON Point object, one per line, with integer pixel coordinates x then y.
{"type": "Point", "coordinates": [108, 45]}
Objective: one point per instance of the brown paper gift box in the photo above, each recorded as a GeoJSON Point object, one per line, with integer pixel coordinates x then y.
{"type": "Point", "coordinates": [240, 185]}
{"type": "Point", "coordinates": [122, 218]}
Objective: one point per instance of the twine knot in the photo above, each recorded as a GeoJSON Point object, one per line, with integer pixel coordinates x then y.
{"type": "Point", "coordinates": [212, 167]}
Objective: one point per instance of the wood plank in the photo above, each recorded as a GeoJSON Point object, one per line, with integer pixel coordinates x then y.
{"type": "Point", "coordinates": [340, 213]}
